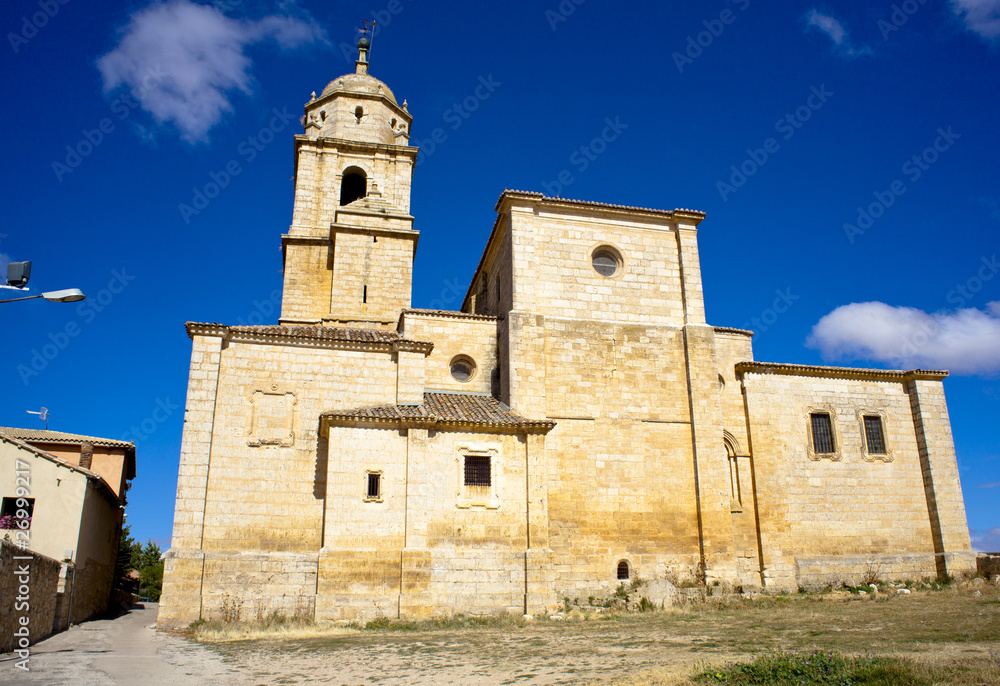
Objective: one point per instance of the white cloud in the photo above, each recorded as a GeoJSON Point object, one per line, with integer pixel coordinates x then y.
{"type": "Point", "coordinates": [987, 541]}
{"type": "Point", "coordinates": [183, 61]}
{"type": "Point", "coordinates": [966, 341]}
{"type": "Point", "coordinates": [836, 32]}
{"type": "Point", "coordinates": [995, 484]}
{"type": "Point", "coordinates": [980, 16]}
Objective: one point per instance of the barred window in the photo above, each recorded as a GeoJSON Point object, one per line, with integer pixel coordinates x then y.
{"type": "Point", "coordinates": [374, 485]}
{"type": "Point", "coordinates": [623, 571]}
{"type": "Point", "coordinates": [477, 470]}
{"type": "Point", "coordinates": [822, 432]}
{"type": "Point", "coordinates": [874, 436]}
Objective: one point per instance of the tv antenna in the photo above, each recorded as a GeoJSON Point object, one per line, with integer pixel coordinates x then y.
{"type": "Point", "coordinates": [43, 415]}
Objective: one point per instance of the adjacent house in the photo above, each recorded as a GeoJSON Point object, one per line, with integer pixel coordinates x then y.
{"type": "Point", "coordinates": [63, 496]}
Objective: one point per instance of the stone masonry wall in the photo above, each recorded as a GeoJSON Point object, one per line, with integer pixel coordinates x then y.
{"type": "Point", "coordinates": [39, 608]}
{"type": "Point", "coordinates": [553, 274]}
{"type": "Point", "coordinates": [475, 337]}
{"type": "Point", "coordinates": [428, 544]}
{"type": "Point", "coordinates": [847, 506]}
{"type": "Point", "coordinates": [266, 488]}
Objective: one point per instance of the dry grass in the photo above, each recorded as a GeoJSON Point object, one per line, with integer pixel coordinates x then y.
{"type": "Point", "coordinates": [934, 637]}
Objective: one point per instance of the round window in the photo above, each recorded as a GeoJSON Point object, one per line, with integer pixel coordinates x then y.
{"type": "Point", "coordinates": [463, 368]}
{"type": "Point", "coordinates": [606, 261]}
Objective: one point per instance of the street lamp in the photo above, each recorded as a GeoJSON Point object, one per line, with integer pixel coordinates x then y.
{"type": "Point", "coordinates": [68, 295]}
{"type": "Point", "coordinates": [18, 274]}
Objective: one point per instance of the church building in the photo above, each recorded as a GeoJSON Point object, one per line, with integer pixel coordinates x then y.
{"type": "Point", "coordinates": [577, 424]}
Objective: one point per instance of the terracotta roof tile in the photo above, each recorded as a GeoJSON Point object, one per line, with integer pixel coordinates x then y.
{"type": "Point", "coordinates": [448, 408]}
{"type": "Point", "coordinates": [43, 436]}
{"type": "Point", "coordinates": [329, 333]}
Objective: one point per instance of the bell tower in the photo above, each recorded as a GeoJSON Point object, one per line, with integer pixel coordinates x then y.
{"type": "Point", "coordinates": [348, 255]}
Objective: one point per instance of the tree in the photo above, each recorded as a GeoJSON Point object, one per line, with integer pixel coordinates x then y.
{"type": "Point", "coordinates": [129, 551]}
{"type": "Point", "coordinates": [149, 556]}
{"type": "Point", "coordinates": [151, 582]}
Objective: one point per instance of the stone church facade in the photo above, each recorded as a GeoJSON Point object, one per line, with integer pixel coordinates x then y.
{"type": "Point", "coordinates": [575, 425]}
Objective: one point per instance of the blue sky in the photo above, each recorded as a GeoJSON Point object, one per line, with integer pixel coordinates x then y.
{"type": "Point", "coordinates": [845, 152]}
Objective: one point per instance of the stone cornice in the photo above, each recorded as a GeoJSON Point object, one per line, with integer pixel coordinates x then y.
{"type": "Point", "coordinates": [686, 215]}
{"type": "Point", "coordinates": [359, 95]}
{"type": "Point", "coordinates": [527, 427]}
{"type": "Point", "coordinates": [301, 140]}
{"type": "Point", "coordinates": [315, 336]}
{"type": "Point", "coordinates": [728, 329]}
{"type": "Point", "coordinates": [839, 372]}
{"type": "Point", "coordinates": [380, 231]}
{"type": "Point", "coordinates": [448, 314]}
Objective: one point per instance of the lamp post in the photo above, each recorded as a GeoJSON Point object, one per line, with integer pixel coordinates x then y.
{"type": "Point", "coordinates": [68, 295]}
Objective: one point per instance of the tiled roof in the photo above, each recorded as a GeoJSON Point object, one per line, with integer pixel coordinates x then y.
{"type": "Point", "coordinates": [336, 336]}
{"type": "Point", "coordinates": [42, 436]}
{"type": "Point", "coordinates": [449, 313]}
{"type": "Point", "coordinates": [592, 203]}
{"type": "Point", "coordinates": [838, 372]}
{"type": "Point", "coordinates": [329, 333]}
{"type": "Point", "coordinates": [444, 408]}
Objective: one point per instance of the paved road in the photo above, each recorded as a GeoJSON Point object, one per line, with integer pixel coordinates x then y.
{"type": "Point", "coordinates": [124, 651]}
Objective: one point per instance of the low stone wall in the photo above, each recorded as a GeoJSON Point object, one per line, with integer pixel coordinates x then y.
{"type": "Point", "coordinates": [26, 618]}
{"type": "Point", "coordinates": [814, 573]}
{"type": "Point", "coordinates": [988, 564]}
{"type": "Point", "coordinates": [91, 591]}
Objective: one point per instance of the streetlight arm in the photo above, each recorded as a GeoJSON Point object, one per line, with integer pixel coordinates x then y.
{"type": "Point", "coordinates": [27, 297]}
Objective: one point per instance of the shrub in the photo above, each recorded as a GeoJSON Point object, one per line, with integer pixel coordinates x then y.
{"type": "Point", "coordinates": [819, 669]}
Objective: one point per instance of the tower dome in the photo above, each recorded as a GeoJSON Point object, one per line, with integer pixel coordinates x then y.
{"type": "Point", "coordinates": [358, 83]}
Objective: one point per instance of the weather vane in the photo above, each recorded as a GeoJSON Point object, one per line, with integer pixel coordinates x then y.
{"type": "Point", "coordinates": [368, 27]}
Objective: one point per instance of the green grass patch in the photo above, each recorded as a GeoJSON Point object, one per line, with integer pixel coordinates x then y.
{"type": "Point", "coordinates": [819, 668]}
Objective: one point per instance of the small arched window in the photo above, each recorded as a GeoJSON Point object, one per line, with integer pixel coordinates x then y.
{"type": "Point", "coordinates": [354, 185]}
{"type": "Point", "coordinates": [623, 571]}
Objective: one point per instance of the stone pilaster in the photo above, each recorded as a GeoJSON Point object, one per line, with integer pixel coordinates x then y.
{"type": "Point", "coordinates": [945, 503]}
{"type": "Point", "coordinates": [539, 594]}
{"type": "Point", "coordinates": [526, 364]}
{"type": "Point", "coordinates": [410, 376]}
{"type": "Point", "coordinates": [181, 601]}
{"type": "Point", "coordinates": [710, 461]}
{"type": "Point", "coordinates": [694, 299]}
